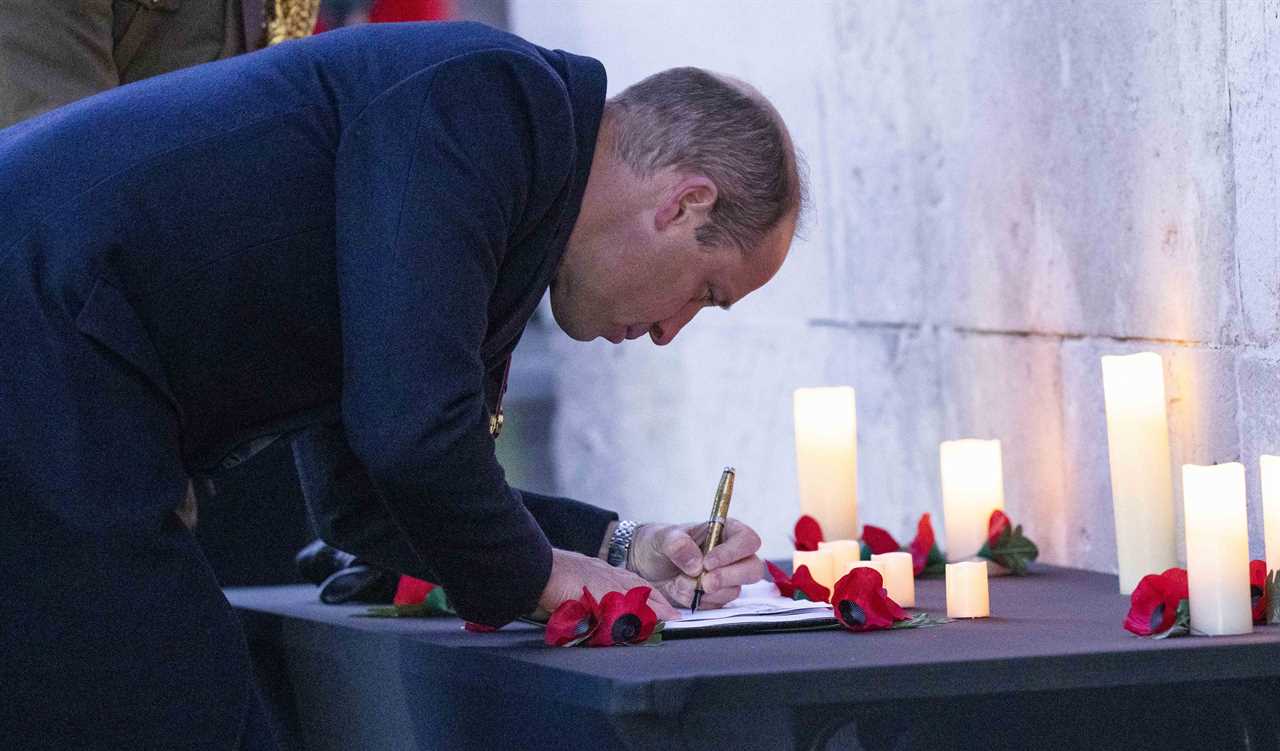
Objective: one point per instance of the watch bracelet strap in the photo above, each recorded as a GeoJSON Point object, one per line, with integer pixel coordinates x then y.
{"type": "Point", "coordinates": [620, 542]}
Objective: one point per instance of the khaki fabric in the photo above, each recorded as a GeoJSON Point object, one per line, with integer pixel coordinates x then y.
{"type": "Point", "coordinates": [53, 52]}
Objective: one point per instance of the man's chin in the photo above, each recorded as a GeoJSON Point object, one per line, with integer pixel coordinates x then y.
{"type": "Point", "coordinates": [570, 328]}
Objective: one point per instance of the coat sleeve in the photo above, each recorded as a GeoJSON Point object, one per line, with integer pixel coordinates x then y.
{"type": "Point", "coordinates": [348, 512]}
{"type": "Point", "coordinates": [433, 179]}
{"type": "Point", "coordinates": [569, 524]}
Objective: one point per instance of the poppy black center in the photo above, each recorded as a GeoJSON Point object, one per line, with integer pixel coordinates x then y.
{"type": "Point", "coordinates": [1157, 617]}
{"type": "Point", "coordinates": [1255, 592]}
{"type": "Point", "coordinates": [626, 628]}
{"type": "Point", "coordinates": [853, 612]}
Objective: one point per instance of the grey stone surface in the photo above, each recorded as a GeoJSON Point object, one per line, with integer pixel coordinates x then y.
{"type": "Point", "coordinates": [1088, 519]}
{"type": "Point", "coordinates": [1002, 192]}
{"type": "Point", "coordinates": [1258, 375]}
{"type": "Point", "coordinates": [1253, 60]}
{"type": "Point", "coordinates": [1038, 167]}
{"type": "Point", "coordinates": [1009, 387]}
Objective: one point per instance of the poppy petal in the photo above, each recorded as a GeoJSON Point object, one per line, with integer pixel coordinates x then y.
{"type": "Point", "coordinates": [411, 591]}
{"type": "Point", "coordinates": [804, 581]}
{"type": "Point", "coordinates": [780, 578]}
{"type": "Point", "coordinates": [1175, 582]}
{"type": "Point", "coordinates": [1149, 606]}
{"type": "Point", "coordinates": [879, 540]}
{"type": "Point", "coordinates": [922, 544]}
{"type": "Point", "coordinates": [1258, 590]}
{"type": "Point", "coordinates": [808, 533]}
{"type": "Point", "coordinates": [572, 620]}
{"type": "Point", "coordinates": [996, 526]}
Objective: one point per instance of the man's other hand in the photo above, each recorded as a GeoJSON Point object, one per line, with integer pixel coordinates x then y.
{"type": "Point", "coordinates": [670, 557]}
{"type": "Point", "coordinates": [570, 572]}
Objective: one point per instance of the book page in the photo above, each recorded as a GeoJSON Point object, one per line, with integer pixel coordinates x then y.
{"type": "Point", "coordinates": [760, 603]}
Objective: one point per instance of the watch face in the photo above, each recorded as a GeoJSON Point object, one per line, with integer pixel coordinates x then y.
{"type": "Point", "coordinates": [620, 542]}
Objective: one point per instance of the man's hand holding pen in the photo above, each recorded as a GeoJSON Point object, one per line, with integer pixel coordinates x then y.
{"type": "Point", "coordinates": [670, 557]}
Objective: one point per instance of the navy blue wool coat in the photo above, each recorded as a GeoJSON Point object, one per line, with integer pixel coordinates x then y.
{"type": "Point", "coordinates": [340, 238]}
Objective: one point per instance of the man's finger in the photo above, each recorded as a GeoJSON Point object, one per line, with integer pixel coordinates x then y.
{"type": "Point", "coordinates": [720, 598]}
{"type": "Point", "coordinates": [661, 609]}
{"type": "Point", "coordinates": [740, 541]}
{"type": "Point", "coordinates": [736, 574]}
{"type": "Point", "coordinates": [679, 547]}
{"type": "Point", "coordinates": [679, 590]}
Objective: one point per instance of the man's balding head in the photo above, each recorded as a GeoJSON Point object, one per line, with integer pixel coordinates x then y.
{"type": "Point", "coordinates": [693, 199]}
{"type": "Point", "coordinates": [698, 121]}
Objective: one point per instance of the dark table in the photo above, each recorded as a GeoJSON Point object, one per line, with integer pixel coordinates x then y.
{"type": "Point", "coordinates": [1051, 668]}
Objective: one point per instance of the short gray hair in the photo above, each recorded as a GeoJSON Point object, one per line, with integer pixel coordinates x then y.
{"type": "Point", "coordinates": [690, 119]}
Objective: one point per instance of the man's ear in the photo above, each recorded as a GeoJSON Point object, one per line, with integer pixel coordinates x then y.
{"type": "Point", "coordinates": [689, 199]}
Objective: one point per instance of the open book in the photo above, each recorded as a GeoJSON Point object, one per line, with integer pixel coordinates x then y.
{"type": "Point", "coordinates": [758, 609]}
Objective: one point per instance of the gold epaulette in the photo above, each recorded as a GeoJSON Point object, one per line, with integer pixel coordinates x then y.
{"type": "Point", "coordinates": [290, 19]}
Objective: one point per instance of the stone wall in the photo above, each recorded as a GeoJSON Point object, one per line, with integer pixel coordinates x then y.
{"type": "Point", "coordinates": [1002, 192]}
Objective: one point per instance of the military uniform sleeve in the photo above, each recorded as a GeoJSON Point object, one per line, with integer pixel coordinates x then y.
{"type": "Point", "coordinates": [51, 54]}
{"type": "Point", "coordinates": [433, 179]}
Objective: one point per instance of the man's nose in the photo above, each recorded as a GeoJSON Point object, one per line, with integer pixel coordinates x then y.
{"type": "Point", "coordinates": [663, 332]}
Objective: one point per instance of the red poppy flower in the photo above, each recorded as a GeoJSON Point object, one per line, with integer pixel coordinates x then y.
{"type": "Point", "coordinates": [1153, 606]}
{"type": "Point", "coordinates": [996, 526]}
{"type": "Point", "coordinates": [801, 582]}
{"type": "Point", "coordinates": [922, 544]}
{"type": "Point", "coordinates": [478, 628]}
{"type": "Point", "coordinates": [862, 604]}
{"type": "Point", "coordinates": [879, 540]}
{"type": "Point", "coordinates": [411, 591]}
{"type": "Point", "coordinates": [573, 621]}
{"type": "Point", "coordinates": [1258, 590]}
{"type": "Point", "coordinates": [808, 533]}
{"type": "Point", "coordinates": [624, 619]}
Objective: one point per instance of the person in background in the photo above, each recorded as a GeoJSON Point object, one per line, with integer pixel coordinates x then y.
{"type": "Point", "coordinates": [55, 53]}
{"type": "Point", "coordinates": [337, 13]}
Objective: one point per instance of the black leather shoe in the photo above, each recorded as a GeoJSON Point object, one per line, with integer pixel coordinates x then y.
{"type": "Point", "coordinates": [318, 561]}
{"type": "Point", "coordinates": [359, 583]}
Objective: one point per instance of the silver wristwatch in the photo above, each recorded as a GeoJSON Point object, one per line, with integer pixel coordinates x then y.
{"type": "Point", "coordinates": [620, 542]}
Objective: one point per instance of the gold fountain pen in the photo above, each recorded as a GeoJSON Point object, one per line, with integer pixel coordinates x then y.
{"type": "Point", "coordinates": [715, 525]}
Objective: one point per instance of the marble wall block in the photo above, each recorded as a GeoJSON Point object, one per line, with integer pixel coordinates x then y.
{"type": "Point", "coordinates": [1258, 377]}
{"type": "Point", "coordinates": [1010, 388]}
{"type": "Point", "coordinates": [1038, 167]}
{"type": "Point", "coordinates": [1253, 64]}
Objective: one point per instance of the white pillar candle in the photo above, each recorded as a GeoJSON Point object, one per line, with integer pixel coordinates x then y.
{"type": "Point", "coordinates": [827, 458]}
{"type": "Point", "coordinates": [1141, 473]}
{"type": "Point", "coordinates": [899, 576]}
{"type": "Point", "coordinates": [972, 487]}
{"type": "Point", "coordinates": [1217, 548]}
{"type": "Point", "coordinates": [843, 553]}
{"type": "Point", "coordinates": [819, 563]}
{"type": "Point", "coordinates": [1271, 509]}
{"type": "Point", "coordinates": [967, 595]}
